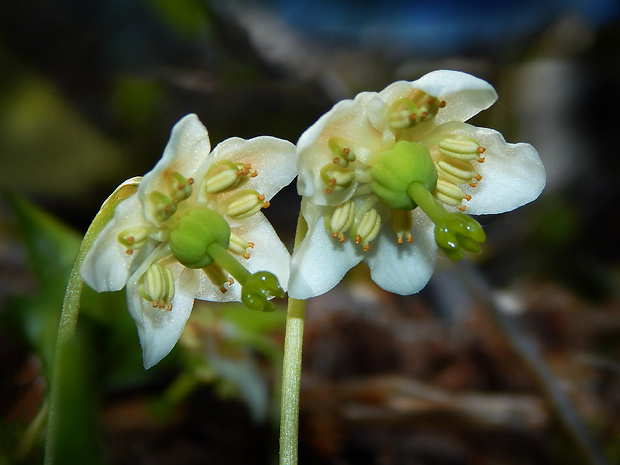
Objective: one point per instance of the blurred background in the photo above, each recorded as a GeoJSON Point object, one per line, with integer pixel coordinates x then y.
{"type": "Point", "coordinates": [490, 364]}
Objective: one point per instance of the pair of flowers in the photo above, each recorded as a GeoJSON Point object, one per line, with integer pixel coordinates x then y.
{"type": "Point", "coordinates": [403, 156]}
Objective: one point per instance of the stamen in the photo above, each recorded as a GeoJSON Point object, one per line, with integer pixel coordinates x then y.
{"type": "Point", "coordinates": [181, 187]}
{"type": "Point", "coordinates": [410, 111]}
{"type": "Point", "coordinates": [157, 286]}
{"type": "Point", "coordinates": [459, 147]}
{"type": "Point", "coordinates": [133, 238]}
{"type": "Point", "coordinates": [226, 175]}
{"type": "Point", "coordinates": [162, 206]}
{"type": "Point", "coordinates": [340, 219]}
{"type": "Point", "coordinates": [215, 273]}
{"type": "Point", "coordinates": [448, 193]}
{"type": "Point", "coordinates": [366, 228]}
{"type": "Point", "coordinates": [402, 223]}
{"type": "Point", "coordinates": [337, 177]}
{"type": "Point", "coordinates": [343, 155]}
{"type": "Point", "coordinates": [239, 246]}
{"type": "Point", "coordinates": [245, 204]}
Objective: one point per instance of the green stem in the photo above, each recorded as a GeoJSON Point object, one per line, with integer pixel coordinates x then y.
{"type": "Point", "coordinates": [291, 370]}
{"type": "Point", "coordinates": [425, 200]}
{"type": "Point", "coordinates": [70, 310]}
{"type": "Point", "coordinates": [222, 257]}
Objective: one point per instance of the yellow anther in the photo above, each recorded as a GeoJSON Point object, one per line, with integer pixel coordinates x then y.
{"type": "Point", "coordinates": [462, 148]}
{"type": "Point", "coordinates": [402, 223]}
{"type": "Point", "coordinates": [455, 170]}
{"type": "Point", "coordinates": [336, 177]}
{"type": "Point", "coordinates": [215, 273]}
{"type": "Point", "coordinates": [181, 187]}
{"type": "Point", "coordinates": [343, 155]}
{"type": "Point", "coordinates": [157, 286]}
{"type": "Point", "coordinates": [239, 246]}
{"type": "Point", "coordinates": [226, 175]}
{"type": "Point", "coordinates": [133, 238]}
{"type": "Point", "coordinates": [162, 206]}
{"type": "Point", "coordinates": [448, 193]}
{"type": "Point", "coordinates": [415, 109]}
{"type": "Point", "coordinates": [340, 219]}
{"type": "Point", "coordinates": [245, 204]}
{"type": "Point", "coordinates": [366, 228]}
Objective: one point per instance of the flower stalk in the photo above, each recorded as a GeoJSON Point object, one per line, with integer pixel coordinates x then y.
{"type": "Point", "coordinates": [291, 370]}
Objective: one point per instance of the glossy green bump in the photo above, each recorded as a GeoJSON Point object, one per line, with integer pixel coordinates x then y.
{"type": "Point", "coordinates": [458, 232]}
{"type": "Point", "coordinates": [397, 168]}
{"type": "Point", "coordinates": [258, 288]}
{"type": "Point", "coordinates": [195, 232]}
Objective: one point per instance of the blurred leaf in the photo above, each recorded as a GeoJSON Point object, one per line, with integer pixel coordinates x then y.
{"type": "Point", "coordinates": [188, 16]}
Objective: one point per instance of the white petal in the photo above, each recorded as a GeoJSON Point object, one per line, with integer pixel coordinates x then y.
{"type": "Point", "coordinates": [186, 153]}
{"type": "Point", "coordinates": [275, 161]}
{"type": "Point", "coordinates": [512, 174]}
{"type": "Point", "coordinates": [107, 266]}
{"type": "Point", "coordinates": [320, 262]}
{"type": "Point", "coordinates": [348, 120]}
{"type": "Point", "coordinates": [465, 95]}
{"type": "Point", "coordinates": [269, 254]}
{"type": "Point", "coordinates": [404, 268]}
{"type": "Point", "coordinates": [159, 329]}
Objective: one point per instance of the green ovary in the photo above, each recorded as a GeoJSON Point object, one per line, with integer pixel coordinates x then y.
{"type": "Point", "coordinates": [397, 168]}
{"type": "Point", "coordinates": [194, 234]}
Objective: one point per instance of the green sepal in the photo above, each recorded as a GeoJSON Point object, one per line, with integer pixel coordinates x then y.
{"type": "Point", "coordinates": [195, 232]}
{"type": "Point", "coordinates": [397, 169]}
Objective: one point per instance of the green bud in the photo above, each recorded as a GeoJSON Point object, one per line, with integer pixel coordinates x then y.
{"type": "Point", "coordinates": [193, 235]}
{"type": "Point", "coordinates": [397, 169]}
{"type": "Point", "coordinates": [258, 288]}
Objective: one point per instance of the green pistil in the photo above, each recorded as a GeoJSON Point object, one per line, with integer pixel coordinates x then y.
{"type": "Point", "coordinates": [256, 288]}
{"type": "Point", "coordinates": [454, 232]}
{"type": "Point", "coordinates": [222, 257]}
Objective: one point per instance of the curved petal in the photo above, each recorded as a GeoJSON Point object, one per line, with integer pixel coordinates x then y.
{"type": "Point", "coordinates": [269, 253]}
{"type": "Point", "coordinates": [319, 262]}
{"type": "Point", "coordinates": [159, 329]}
{"type": "Point", "coordinates": [275, 161]}
{"type": "Point", "coordinates": [465, 95]}
{"type": "Point", "coordinates": [107, 266]}
{"type": "Point", "coordinates": [185, 153]}
{"type": "Point", "coordinates": [404, 268]}
{"type": "Point", "coordinates": [347, 120]}
{"type": "Point", "coordinates": [512, 174]}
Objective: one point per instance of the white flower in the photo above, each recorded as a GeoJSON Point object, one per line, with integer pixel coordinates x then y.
{"type": "Point", "coordinates": [194, 221]}
{"type": "Point", "coordinates": [404, 156]}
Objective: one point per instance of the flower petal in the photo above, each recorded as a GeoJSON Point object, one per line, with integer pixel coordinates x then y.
{"type": "Point", "coordinates": [465, 95]}
{"type": "Point", "coordinates": [107, 266]}
{"type": "Point", "coordinates": [274, 159]}
{"type": "Point", "coordinates": [186, 153]}
{"type": "Point", "coordinates": [319, 262]}
{"type": "Point", "coordinates": [348, 120]}
{"type": "Point", "coordinates": [159, 329]}
{"type": "Point", "coordinates": [404, 268]}
{"type": "Point", "coordinates": [512, 174]}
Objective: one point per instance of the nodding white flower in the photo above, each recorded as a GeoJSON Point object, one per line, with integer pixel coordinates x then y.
{"type": "Point", "coordinates": [386, 178]}
{"type": "Point", "coordinates": [194, 230]}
